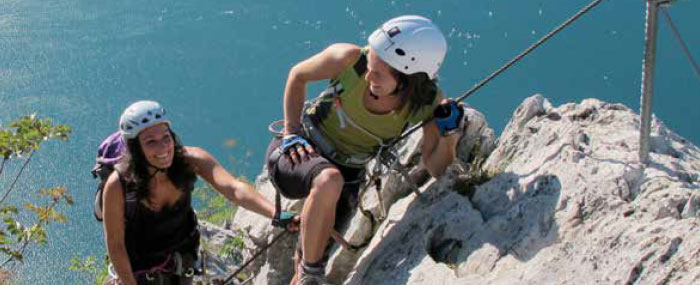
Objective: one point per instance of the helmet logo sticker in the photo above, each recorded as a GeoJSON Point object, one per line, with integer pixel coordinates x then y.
{"type": "Point", "coordinates": [394, 31]}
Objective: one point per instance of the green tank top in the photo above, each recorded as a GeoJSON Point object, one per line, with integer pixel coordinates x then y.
{"type": "Point", "coordinates": [345, 122]}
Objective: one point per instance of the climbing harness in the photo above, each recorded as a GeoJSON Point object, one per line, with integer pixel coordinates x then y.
{"type": "Point", "coordinates": [326, 147]}
{"type": "Point", "coordinates": [173, 265]}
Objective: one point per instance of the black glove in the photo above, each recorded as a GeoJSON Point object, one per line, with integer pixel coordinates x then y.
{"type": "Point", "coordinates": [449, 117]}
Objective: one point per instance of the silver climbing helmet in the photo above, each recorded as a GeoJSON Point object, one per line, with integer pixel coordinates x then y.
{"type": "Point", "coordinates": [410, 44]}
{"type": "Point", "coordinates": [139, 116]}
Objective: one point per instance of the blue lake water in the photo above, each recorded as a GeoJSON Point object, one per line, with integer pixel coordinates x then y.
{"type": "Point", "coordinates": [219, 67]}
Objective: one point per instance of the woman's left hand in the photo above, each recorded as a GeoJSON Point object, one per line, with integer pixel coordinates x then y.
{"type": "Point", "coordinates": [449, 117]}
{"type": "Point", "coordinates": [295, 225]}
{"type": "Point", "coordinates": [288, 221]}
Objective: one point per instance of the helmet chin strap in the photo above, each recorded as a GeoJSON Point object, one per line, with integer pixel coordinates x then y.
{"type": "Point", "coordinates": [158, 169]}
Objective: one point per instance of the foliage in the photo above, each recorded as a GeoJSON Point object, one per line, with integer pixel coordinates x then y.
{"type": "Point", "coordinates": [91, 267]}
{"type": "Point", "coordinates": [232, 248]}
{"type": "Point", "coordinates": [466, 185]}
{"type": "Point", "coordinates": [19, 141]}
{"type": "Point", "coordinates": [214, 207]}
{"type": "Point", "coordinates": [23, 136]}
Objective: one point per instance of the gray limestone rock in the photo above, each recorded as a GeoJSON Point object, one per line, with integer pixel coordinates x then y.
{"type": "Point", "coordinates": [566, 202]}
{"type": "Point", "coordinates": [559, 198]}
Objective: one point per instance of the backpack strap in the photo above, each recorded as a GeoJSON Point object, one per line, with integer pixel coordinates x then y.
{"type": "Point", "coordinates": [360, 65]}
{"type": "Point", "coordinates": [130, 199]}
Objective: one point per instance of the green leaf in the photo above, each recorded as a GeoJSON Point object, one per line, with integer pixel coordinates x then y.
{"type": "Point", "coordinates": [3, 238]}
{"type": "Point", "coordinates": [14, 254]}
{"type": "Point", "coordinates": [8, 210]}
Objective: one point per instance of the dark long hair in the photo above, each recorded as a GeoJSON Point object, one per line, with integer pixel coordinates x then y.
{"type": "Point", "coordinates": [137, 177]}
{"type": "Point", "coordinates": [416, 90]}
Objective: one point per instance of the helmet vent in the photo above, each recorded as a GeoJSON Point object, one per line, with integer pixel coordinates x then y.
{"type": "Point", "coordinates": [400, 52]}
{"type": "Point", "coordinates": [394, 31]}
{"type": "Point", "coordinates": [157, 116]}
{"type": "Point", "coordinates": [145, 120]}
{"type": "Point", "coordinates": [413, 59]}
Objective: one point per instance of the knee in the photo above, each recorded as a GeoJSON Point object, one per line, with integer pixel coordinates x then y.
{"type": "Point", "coordinates": [329, 182]}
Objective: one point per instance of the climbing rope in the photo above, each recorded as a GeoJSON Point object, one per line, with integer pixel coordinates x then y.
{"type": "Point", "coordinates": [274, 240]}
{"type": "Point", "coordinates": [684, 47]}
{"type": "Point", "coordinates": [387, 156]}
{"type": "Point", "coordinates": [334, 234]}
{"type": "Point", "coordinates": [509, 64]}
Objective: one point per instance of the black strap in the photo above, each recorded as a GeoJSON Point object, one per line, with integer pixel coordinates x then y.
{"type": "Point", "coordinates": [361, 65]}
{"type": "Point", "coordinates": [275, 156]}
{"type": "Point", "coordinates": [278, 208]}
{"type": "Point", "coordinates": [130, 199]}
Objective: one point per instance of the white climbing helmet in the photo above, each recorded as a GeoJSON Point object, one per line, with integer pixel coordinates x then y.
{"type": "Point", "coordinates": [139, 116]}
{"type": "Point", "coordinates": [410, 44]}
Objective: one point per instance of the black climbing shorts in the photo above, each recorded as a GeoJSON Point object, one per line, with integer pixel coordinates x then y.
{"type": "Point", "coordinates": [295, 181]}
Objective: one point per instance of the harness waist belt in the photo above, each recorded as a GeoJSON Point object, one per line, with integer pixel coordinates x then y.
{"type": "Point", "coordinates": [326, 148]}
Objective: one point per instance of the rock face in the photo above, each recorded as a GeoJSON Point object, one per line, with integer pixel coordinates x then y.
{"type": "Point", "coordinates": [560, 199]}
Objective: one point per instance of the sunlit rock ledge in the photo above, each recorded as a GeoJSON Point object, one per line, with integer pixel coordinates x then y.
{"type": "Point", "coordinates": [559, 198]}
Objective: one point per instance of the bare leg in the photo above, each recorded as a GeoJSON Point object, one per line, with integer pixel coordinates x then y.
{"type": "Point", "coordinates": [318, 214]}
{"type": "Point", "coordinates": [297, 260]}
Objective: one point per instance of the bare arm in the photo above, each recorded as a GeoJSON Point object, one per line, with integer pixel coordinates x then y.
{"type": "Point", "coordinates": [438, 151]}
{"type": "Point", "coordinates": [233, 189]}
{"type": "Point", "coordinates": [324, 65]}
{"type": "Point", "coordinates": [113, 221]}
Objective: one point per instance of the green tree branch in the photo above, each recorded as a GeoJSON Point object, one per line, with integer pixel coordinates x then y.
{"type": "Point", "coordinates": [12, 185]}
{"type": "Point", "coordinates": [22, 138]}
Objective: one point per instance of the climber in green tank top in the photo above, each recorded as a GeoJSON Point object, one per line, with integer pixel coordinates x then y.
{"type": "Point", "coordinates": [375, 93]}
{"type": "Point", "coordinates": [372, 128]}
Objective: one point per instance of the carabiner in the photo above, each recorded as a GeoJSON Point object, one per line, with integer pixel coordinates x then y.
{"type": "Point", "coordinates": [189, 273]}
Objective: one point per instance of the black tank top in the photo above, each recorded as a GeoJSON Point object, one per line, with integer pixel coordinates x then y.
{"type": "Point", "coordinates": [151, 236]}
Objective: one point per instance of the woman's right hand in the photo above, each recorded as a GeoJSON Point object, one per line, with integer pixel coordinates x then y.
{"type": "Point", "coordinates": [296, 148]}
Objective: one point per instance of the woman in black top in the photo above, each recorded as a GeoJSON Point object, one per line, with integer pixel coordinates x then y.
{"type": "Point", "coordinates": [150, 227]}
